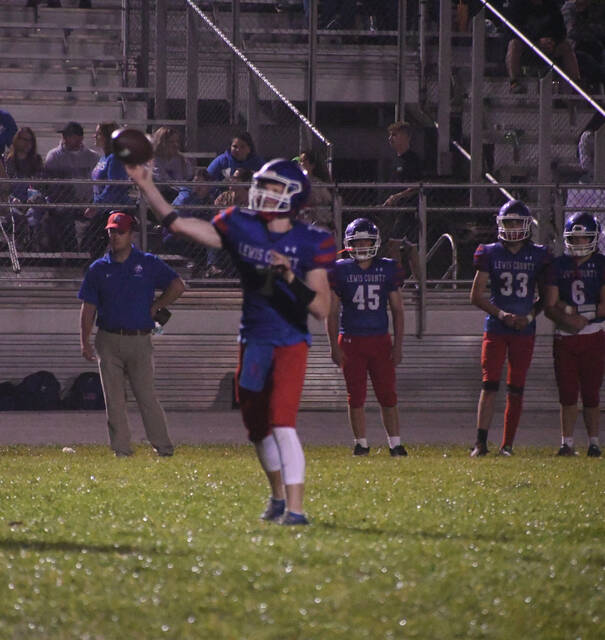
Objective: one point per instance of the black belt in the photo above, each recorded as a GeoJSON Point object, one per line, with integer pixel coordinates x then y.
{"type": "Point", "coordinates": [129, 332]}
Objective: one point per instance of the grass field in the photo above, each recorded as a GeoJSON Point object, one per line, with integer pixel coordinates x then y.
{"type": "Point", "coordinates": [432, 546]}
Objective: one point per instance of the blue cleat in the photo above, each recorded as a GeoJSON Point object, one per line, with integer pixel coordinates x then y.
{"type": "Point", "coordinates": [274, 511]}
{"type": "Point", "coordinates": [291, 519]}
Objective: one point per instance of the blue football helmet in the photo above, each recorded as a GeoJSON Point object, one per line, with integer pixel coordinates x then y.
{"type": "Point", "coordinates": [514, 210]}
{"type": "Point", "coordinates": [296, 189]}
{"type": "Point", "coordinates": [581, 225]}
{"type": "Point", "coordinates": [362, 229]}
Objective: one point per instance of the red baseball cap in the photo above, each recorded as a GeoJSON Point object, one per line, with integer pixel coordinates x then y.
{"type": "Point", "coordinates": [120, 221]}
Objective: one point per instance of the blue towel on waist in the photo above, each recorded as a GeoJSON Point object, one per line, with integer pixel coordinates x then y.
{"type": "Point", "coordinates": [256, 364]}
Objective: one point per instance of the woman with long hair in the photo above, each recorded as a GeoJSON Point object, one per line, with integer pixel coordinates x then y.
{"type": "Point", "coordinates": [22, 160]}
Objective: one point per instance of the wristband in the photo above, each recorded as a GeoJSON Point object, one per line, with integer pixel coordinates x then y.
{"type": "Point", "coordinates": [530, 318]}
{"type": "Point", "coordinates": [568, 309]}
{"type": "Point", "coordinates": [169, 219]}
{"type": "Point", "coordinates": [301, 292]}
{"type": "Point", "coordinates": [501, 315]}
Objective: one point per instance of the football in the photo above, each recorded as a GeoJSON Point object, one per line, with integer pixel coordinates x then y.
{"type": "Point", "coordinates": [131, 146]}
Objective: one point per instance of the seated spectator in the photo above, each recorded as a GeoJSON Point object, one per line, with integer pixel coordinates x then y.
{"type": "Point", "coordinates": [106, 196]}
{"type": "Point", "coordinates": [22, 160]}
{"type": "Point", "coordinates": [237, 194]}
{"type": "Point", "coordinates": [8, 128]}
{"type": "Point", "coordinates": [71, 159]}
{"type": "Point", "coordinates": [241, 154]}
{"type": "Point", "coordinates": [196, 194]}
{"type": "Point", "coordinates": [169, 164]}
{"type": "Point", "coordinates": [589, 199]}
{"type": "Point", "coordinates": [541, 21]}
{"type": "Point", "coordinates": [585, 24]}
{"type": "Point", "coordinates": [318, 209]}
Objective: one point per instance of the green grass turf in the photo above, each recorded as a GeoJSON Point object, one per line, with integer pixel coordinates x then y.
{"type": "Point", "coordinates": [433, 546]}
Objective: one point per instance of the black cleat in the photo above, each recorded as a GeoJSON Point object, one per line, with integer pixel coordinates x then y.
{"type": "Point", "coordinates": [479, 450]}
{"type": "Point", "coordinates": [506, 451]}
{"type": "Point", "coordinates": [399, 450]}
{"type": "Point", "coordinates": [594, 451]}
{"type": "Point", "coordinates": [566, 451]}
{"type": "Point", "coordinates": [361, 451]}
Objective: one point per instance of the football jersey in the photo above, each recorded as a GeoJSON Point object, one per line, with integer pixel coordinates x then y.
{"type": "Point", "coordinates": [579, 285]}
{"type": "Point", "coordinates": [513, 278]}
{"type": "Point", "coordinates": [270, 313]}
{"type": "Point", "coordinates": [364, 294]}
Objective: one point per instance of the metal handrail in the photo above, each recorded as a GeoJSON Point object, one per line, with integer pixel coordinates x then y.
{"type": "Point", "coordinates": [452, 270]}
{"type": "Point", "coordinates": [261, 76]}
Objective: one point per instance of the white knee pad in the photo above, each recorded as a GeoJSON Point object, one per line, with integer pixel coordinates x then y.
{"type": "Point", "coordinates": [268, 454]}
{"type": "Point", "coordinates": [291, 454]}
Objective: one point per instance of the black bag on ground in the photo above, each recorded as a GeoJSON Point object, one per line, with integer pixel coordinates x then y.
{"type": "Point", "coordinates": [86, 392]}
{"type": "Point", "coordinates": [7, 396]}
{"type": "Point", "coordinates": [39, 391]}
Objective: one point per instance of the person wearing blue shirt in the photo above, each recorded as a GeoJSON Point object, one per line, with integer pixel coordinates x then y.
{"type": "Point", "coordinates": [241, 154]}
{"type": "Point", "coordinates": [283, 266]}
{"type": "Point", "coordinates": [8, 128]}
{"type": "Point", "coordinates": [119, 289]}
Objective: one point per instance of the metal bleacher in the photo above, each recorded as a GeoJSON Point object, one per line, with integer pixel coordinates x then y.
{"type": "Point", "coordinates": [197, 355]}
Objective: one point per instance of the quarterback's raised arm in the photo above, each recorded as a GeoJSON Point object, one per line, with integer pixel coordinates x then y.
{"type": "Point", "coordinates": [198, 230]}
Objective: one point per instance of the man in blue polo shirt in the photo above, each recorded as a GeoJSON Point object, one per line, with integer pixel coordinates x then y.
{"type": "Point", "coordinates": [119, 290]}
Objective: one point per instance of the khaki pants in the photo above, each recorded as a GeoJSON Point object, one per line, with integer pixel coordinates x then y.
{"type": "Point", "coordinates": [131, 357]}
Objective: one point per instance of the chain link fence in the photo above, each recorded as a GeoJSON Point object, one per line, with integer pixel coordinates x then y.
{"type": "Point", "coordinates": [54, 240]}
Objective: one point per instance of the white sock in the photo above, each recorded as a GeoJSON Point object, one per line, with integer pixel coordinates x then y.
{"type": "Point", "coordinates": [362, 442]}
{"type": "Point", "coordinates": [568, 442]}
{"type": "Point", "coordinates": [268, 454]}
{"type": "Point", "coordinates": [394, 441]}
{"type": "Point", "coordinates": [594, 440]}
{"type": "Point", "coordinates": [291, 454]}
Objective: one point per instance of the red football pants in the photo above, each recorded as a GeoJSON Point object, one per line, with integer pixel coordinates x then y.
{"type": "Point", "coordinates": [579, 366]}
{"type": "Point", "coordinates": [494, 351]}
{"type": "Point", "coordinates": [363, 355]}
{"type": "Point", "coordinates": [277, 404]}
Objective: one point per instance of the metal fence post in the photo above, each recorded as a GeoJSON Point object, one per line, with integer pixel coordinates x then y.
{"type": "Point", "coordinates": [161, 46]}
{"type": "Point", "coordinates": [234, 65]}
{"type": "Point", "coordinates": [252, 115]}
{"type": "Point", "coordinates": [145, 53]}
{"type": "Point", "coordinates": [444, 157]}
{"type": "Point", "coordinates": [545, 156]}
{"type": "Point", "coordinates": [143, 224]}
{"type": "Point", "coordinates": [478, 62]}
{"type": "Point", "coordinates": [422, 249]}
{"type": "Point", "coordinates": [402, 23]}
{"type": "Point", "coordinates": [125, 23]}
{"type": "Point", "coordinates": [312, 64]}
{"type": "Point", "coordinates": [599, 155]}
{"type": "Point", "coordinates": [191, 128]}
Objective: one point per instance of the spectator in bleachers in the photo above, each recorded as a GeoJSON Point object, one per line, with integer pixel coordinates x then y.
{"type": "Point", "coordinates": [169, 164]}
{"type": "Point", "coordinates": [8, 128]}
{"type": "Point", "coordinates": [237, 193]}
{"type": "Point", "coordinates": [235, 196]}
{"type": "Point", "coordinates": [22, 160]}
{"type": "Point", "coordinates": [196, 194]}
{"type": "Point", "coordinates": [317, 210]}
{"type": "Point", "coordinates": [590, 199]}
{"type": "Point", "coordinates": [71, 159]}
{"type": "Point", "coordinates": [105, 196]}
{"type": "Point", "coordinates": [585, 24]}
{"type": "Point", "coordinates": [407, 167]}
{"type": "Point", "coordinates": [542, 22]}
{"type": "Point", "coordinates": [241, 154]}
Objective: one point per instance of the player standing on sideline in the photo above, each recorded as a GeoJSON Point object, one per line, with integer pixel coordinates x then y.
{"type": "Point", "coordinates": [575, 302]}
{"type": "Point", "coordinates": [363, 285]}
{"type": "Point", "coordinates": [283, 267]}
{"type": "Point", "coordinates": [513, 266]}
